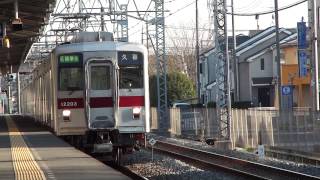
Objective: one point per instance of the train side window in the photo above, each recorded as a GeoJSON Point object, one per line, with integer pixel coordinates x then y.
{"type": "Point", "coordinates": [70, 78]}
{"type": "Point", "coordinates": [131, 77]}
{"type": "Point", "coordinates": [100, 77]}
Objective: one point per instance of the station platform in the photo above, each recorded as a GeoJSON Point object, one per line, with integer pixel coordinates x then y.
{"type": "Point", "coordinates": [30, 152]}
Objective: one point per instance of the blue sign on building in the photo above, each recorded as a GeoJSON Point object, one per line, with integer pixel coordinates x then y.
{"type": "Point", "coordinates": [302, 35]}
{"type": "Point", "coordinates": [303, 63]}
{"type": "Point", "coordinates": [287, 95]}
{"type": "Point", "coordinates": [286, 90]}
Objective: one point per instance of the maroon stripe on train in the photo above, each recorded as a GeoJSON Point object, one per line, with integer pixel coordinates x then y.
{"type": "Point", "coordinates": [130, 101]}
{"type": "Point", "coordinates": [100, 102]}
{"type": "Point", "coordinates": [70, 103]}
{"type": "Point", "coordinates": [125, 101]}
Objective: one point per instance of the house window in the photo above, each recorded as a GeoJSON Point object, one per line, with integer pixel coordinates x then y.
{"type": "Point", "coordinates": [200, 67]}
{"type": "Point", "coordinates": [262, 63]}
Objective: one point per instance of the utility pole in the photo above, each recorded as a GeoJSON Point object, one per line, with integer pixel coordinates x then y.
{"type": "Point", "coordinates": [313, 23]}
{"type": "Point", "coordinates": [197, 55]}
{"type": "Point", "coordinates": [234, 57]}
{"type": "Point", "coordinates": [278, 53]}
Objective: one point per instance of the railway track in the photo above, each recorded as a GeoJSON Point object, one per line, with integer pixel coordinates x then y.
{"type": "Point", "coordinates": [239, 167]}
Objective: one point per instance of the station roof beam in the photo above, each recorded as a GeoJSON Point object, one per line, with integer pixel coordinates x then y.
{"type": "Point", "coordinates": [34, 14]}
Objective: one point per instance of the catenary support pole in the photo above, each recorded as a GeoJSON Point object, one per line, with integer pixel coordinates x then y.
{"type": "Point", "coordinates": [278, 54]}
{"type": "Point", "coordinates": [197, 55]}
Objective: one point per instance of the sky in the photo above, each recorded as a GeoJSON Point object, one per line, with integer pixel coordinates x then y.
{"type": "Point", "coordinates": [180, 16]}
{"type": "Point", "coordinates": [183, 15]}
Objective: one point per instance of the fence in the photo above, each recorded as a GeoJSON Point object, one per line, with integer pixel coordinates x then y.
{"type": "Point", "coordinates": [298, 129]}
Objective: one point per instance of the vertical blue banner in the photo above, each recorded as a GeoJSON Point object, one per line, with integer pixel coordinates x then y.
{"type": "Point", "coordinates": [302, 46]}
{"type": "Point", "coordinates": [302, 35]}
{"type": "Point", "coordinates": [303, 63]}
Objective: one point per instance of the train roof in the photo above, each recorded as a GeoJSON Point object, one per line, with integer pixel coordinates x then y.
{"type": "Point", "coordinates": [99, 46]}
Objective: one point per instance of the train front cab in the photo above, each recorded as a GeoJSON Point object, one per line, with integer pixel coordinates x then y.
{"type": "Point", "coordinates": [115, 102]}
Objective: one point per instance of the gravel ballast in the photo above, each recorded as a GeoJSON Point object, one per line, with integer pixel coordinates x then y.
{"type": "Point", "coordinates": [298, 167]}
{"type": "Point", "coordinates": [164, 167]}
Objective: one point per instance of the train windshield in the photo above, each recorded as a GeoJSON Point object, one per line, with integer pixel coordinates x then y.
{"type": "Point", "coordinates": [100, 77]}
{"type": "Point", "coordinates": [70, 79]}
{"type": "Point", "coordinates": [131, 77]}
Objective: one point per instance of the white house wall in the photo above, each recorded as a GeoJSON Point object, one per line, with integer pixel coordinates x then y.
{"type": "Point", "coordinates": [255, 66]}
{"type": "Point", "coordinates": [244, 82]}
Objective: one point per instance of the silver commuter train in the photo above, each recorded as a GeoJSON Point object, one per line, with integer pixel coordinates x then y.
{"type": "Point", "coordinates": [95, 94]}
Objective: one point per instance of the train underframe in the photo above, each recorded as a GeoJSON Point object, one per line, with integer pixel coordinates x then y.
{"type": "Point", "coordinates": [109, 143]}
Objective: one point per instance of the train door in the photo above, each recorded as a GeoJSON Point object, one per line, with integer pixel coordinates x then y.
{"type": "Point", "coordinates": [99, 94]}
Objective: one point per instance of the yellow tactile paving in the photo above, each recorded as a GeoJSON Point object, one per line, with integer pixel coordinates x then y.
{"type": "Point", "coordinates": [24, 164]}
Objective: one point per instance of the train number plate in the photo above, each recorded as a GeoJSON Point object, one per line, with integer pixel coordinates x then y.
{"type": "Point", "coordinates": [70, 103]}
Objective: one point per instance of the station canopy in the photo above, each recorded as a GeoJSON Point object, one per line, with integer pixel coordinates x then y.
{"type": "Point", "coordinates": [34, 14]}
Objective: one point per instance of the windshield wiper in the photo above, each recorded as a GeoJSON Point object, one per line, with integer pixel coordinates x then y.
{"type": "Point", "coordinates": [72, 89]}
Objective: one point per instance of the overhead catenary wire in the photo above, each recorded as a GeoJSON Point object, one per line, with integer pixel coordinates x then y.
{"type": "Point", "coordinates": [145, 15]}
{"type": "Point", "coordinates": [170, 14]}
{"type": "Point", "coordinates": [180, 9]}
{"type": "Point", "coordinates": [270, 11]}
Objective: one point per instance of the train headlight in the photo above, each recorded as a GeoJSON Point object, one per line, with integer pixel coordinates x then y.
{"type": "Point", "coordinates": [136, 112]}
{"type": "Point", "coordinates": [66, 114]}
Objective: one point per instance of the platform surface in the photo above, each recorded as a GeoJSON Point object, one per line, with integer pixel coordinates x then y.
{"type": "Point", "coordinates": [29, 151]}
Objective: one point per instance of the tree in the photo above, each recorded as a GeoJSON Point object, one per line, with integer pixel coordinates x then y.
{"type": "Point", "coordinates": [181, 49]}
{"type": "Point", "coordinates": [179, 85]}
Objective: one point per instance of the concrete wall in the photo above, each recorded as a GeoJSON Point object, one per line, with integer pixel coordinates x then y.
{"type": "Point", "coordinates": [299, 130]}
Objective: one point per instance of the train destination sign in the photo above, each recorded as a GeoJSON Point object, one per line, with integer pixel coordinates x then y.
{"type": "Point", "coordinates": [129, 58]}
{"type": "Point", "coordinates": [69, 59]}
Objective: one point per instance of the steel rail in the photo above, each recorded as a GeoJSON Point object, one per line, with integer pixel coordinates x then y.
{"type": "Point", "coordinates": [244, 168]}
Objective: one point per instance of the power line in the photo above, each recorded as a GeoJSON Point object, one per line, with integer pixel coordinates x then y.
{"type": "Point", "coordinates": [202, 29]}
{"type": "Point", "coordinates": [146, 14]}
{"type": "Point", "coordinates": [249, 6]}
{"type": "Point", "coordinates": [180, 9]}
{"type": "Point", "coordinates": [270, 11]}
